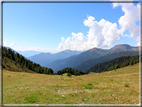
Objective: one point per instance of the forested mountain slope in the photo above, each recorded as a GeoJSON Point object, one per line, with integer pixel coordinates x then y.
{"type": "Point", "coordinates": [114, 64]}
{"type": "Point", "coordinates": [89, 63]}
{"type": "Point", "coordinates": [75, 60]}
{"type": "Point", "coordinates": [13, 61]}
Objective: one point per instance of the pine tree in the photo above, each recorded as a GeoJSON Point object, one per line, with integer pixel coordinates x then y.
{"type": "Point", "coordinates": [131, 62]}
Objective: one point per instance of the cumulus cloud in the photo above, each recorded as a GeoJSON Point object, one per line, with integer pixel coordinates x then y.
{"type": "Point", "coordinates": [75, 42]}
{"type": "Point", "coordinates": [129, 19]}
{"type": "Point", "coordinates": [104, 33]}
{"type": "Point", "coordinates": [63, 38]}
{"type": "Point", "coordinates": [100, 34]}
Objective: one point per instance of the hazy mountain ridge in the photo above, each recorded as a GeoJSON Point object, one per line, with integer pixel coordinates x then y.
{"type": "Point", "coordinates": [93, 53]}
{"type": "Point", "coordinates": [28, 53]}
{"type": "Point", "coordinates": [45, 58]}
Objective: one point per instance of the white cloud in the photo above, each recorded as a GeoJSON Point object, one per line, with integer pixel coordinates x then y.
{"type": "Point", "coordinates": [101, 34]}
{"type": "Point", "coordinates": [63, 38]}
{"type": "Point", "coordinates": [138, 40]}
{"type": "Point", "coordinates": [129, 19]}
{"type": "Point", "coordinates": [104, 33]}
{"type": "Point", "coordinates": [12, 44]}
{"type": "Point", "coordinates": [75, 42]}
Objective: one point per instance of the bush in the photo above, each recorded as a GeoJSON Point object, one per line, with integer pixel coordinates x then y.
{"type": "Point", "coordinates": [116, 66]}
{"type": "Point", "coordinates": [69, 74]}
{"type": "Point", "coordinates": [126, 85]}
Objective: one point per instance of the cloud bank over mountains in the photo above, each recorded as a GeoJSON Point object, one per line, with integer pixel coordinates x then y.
{"type": "Point", "coordinates": [104, 33]}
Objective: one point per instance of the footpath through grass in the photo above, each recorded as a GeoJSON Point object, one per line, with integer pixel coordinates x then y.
{"type": "Point", "coordinates": [113, 87]}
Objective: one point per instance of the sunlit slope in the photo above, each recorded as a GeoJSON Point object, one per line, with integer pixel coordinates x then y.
{"type": "Point", "coordinates": [10, 65]}
{"type": "Point", "coordinates": [113, 87]}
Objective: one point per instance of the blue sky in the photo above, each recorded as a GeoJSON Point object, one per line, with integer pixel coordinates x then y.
{"type": "Point", "coordinates": [53, 27]}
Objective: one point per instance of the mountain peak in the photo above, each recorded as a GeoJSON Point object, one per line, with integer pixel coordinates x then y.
{"type": "Point", "coordinates": [123, 47]}
{"type": "Point", "coordinates": [95, 49]}
{"type": "Point", "coordinates": [67, 50]}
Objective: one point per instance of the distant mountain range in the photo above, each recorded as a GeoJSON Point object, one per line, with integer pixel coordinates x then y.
{"type": "Point", "coordinates": [44, 58]}
{"type": "Point", "coordinates": [25, 53]}
{"type": "Point", "coordinates": [93, 53]}
{"type": "Point", "coordinates": [77, 59]}
{"type": "Point", "coordinates": [28, 53]}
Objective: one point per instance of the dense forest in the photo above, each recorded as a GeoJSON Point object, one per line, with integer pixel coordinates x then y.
{"type": "Point", "coordinates": [23, 62]}
{"type": "Point", "coordinates": [70, 71]}
{"type": "Point", "coordinates": [8, 55]}
{"type": "Point", "coordinates": [114, 64]}
{"type": "Point", "coordinates": [89, 63]}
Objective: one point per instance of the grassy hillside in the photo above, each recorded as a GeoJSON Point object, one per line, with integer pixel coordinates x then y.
{"type": "Point", "coordinates": [113, 87]}
{"type": "Point", "coordinates": [10, 65]}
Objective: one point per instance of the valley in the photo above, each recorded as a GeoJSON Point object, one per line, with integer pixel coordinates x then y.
{"type": "Point", "coordinates": [26, 82]}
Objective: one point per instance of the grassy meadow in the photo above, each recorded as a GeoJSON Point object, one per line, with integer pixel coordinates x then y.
{"type": "Point", "coordinates": [113, 87]}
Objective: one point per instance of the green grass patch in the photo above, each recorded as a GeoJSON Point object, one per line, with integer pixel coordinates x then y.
{"type": "Point", "coordinates": [65, 74]}
{"type": "Point", "coordinates": [31, 99]}
{"type": "Point", "coordinates": [79, 79]}
{"type": "Point", "coordinates": [89, 86]}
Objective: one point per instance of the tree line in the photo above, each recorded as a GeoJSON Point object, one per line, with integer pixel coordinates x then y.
{"type": "Point", "coordinates": [114, 64]}
{"type": "Point", "coordinates": [70, 71]}
{"type": "Point", "coordinates": [130, 61]}
{"type": "Point", "coordinates": [23, 62]}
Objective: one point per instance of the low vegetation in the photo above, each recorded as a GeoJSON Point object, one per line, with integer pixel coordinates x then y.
{"type": "Point", "coordinates": [112, 87]}
{"type": "Point", "coordinates": [70, 71]}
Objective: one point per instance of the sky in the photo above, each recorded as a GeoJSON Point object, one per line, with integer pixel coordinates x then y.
{"type": "Point", "coordinates": [54, 27]}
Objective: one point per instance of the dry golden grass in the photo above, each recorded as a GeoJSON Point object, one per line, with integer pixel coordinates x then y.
{"type": "Point", "coordinates": [113, 87]}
